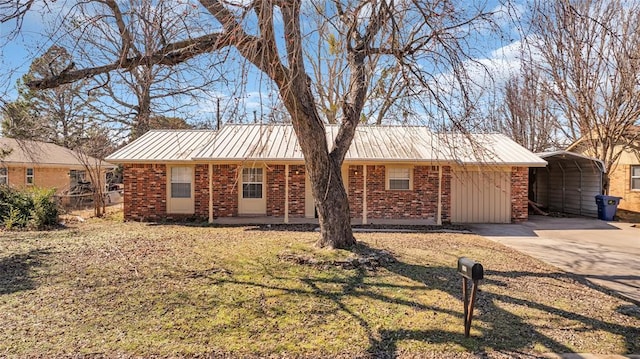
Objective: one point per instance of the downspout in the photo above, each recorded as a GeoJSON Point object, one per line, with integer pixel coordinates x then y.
{"type": "Point", "coordinates": [210, 193]}
{"type": "Point", "coordinates": [286, 193]}
{"type": "Point", "coordinates": [439, 210]}
{"type": "Point", "coordinates": [364, 194]}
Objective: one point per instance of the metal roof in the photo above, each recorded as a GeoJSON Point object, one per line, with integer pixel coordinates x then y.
{"type": "Point", "coordinates": [278, 142]}
{"type": "Point", "coordinates": [164, 145]}
{"type": "Point", "coordinates": [26, 152]}
{"type": "Point", "coordinates": [495, 148]}
{"type": "Point", "coordinates": [565, 154]}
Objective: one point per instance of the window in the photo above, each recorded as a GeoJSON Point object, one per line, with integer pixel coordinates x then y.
{"type": "Point", "coordinates": [4, 175]}
{"type": "Point", "coordinates": [635, 177]}
{"type": "Point", "coordinates": [181, 182]}
{"type": "Point", "coordinates": [77, 176]}
{"type": "Point", "coordinates": [399, 178]}
{"type": "Point", "coordinates": [252, 183]}
{"type": "Point", "coordinates": [30, 176]}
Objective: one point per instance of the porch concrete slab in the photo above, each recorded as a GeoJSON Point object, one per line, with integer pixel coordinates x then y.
{"type": "Point", "coordinates": [256, 220]}
{"type": "Point", "coordinates": [605, 253]}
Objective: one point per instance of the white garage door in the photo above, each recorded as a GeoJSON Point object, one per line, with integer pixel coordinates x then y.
{"type": "Point", "coordinates": [481, 197]}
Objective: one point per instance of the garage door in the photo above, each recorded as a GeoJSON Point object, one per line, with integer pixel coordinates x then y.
{"type": "Point", "coordinates": [481, 197]}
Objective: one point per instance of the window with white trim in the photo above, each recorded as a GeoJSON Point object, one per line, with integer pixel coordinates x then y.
{"type": "Point", "coordinates": [399, 178]}
{"type": "Point", "coordinates": [4, 175]}
{"type": "Point", "coordinates": [252, 183]}
{"type": "Point", "coordinates": [635, 178]}
{"type": "Point", "coordinates": [30, 176]}
{"type": "Point", "coordinates": [181, 182]}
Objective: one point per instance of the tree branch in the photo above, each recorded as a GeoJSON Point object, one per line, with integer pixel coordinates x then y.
{"type": "Point", "coordinates": [170, 55]}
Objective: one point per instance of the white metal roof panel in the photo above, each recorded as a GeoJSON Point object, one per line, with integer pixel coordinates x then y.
{"type": "Point", "coordinates": [164, 145]}
{"type": "Point", "coordinates": [495, 149]}
{"type": "Point", "coordinates": [565, 154]}
{"type": "Point", "coordinates": [278, 142]}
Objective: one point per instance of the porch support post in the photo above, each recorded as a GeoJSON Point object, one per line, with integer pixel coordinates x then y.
{"type": "Point", "coordinates": [210, 193]}
{"type": "Point", "coordinates": [439, 210]}
{"type": "Point", "coordinates": [286, 193]}
{"type": "Point", "coordinates": [364, 194]}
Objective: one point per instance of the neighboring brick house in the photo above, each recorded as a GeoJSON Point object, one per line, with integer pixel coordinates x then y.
{"type": "Point", "coordinates": [389, 172]}
{"type": "Point", "coordinates": [40, 164]}
{"type": "Point", "coordinates": [624, 175]}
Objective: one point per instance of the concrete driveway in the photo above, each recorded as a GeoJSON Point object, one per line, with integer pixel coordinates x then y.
{"type": "Point", "coordinates": [606, 253]}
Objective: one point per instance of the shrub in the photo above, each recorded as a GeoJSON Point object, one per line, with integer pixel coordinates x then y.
{"type": "Point", "coordinates": [32, 208]}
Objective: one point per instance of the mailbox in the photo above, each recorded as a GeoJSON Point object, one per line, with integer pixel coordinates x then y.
{"type": "Point", "coordinates": [470, 269]}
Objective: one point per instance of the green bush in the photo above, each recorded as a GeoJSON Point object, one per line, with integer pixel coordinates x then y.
{"type": "Point", "coordinates": [32, 208]}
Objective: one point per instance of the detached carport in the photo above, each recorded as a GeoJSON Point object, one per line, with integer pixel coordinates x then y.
{"type": "Point", "coordinates": [568, 184]}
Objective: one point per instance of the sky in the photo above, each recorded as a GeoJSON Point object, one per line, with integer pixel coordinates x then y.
{"type": "Point", "coordinates": [498, 55]}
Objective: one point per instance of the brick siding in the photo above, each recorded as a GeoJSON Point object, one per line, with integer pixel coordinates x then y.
{"type": "Point", "coordinates": [275, 190]}
{"type": "Point", "coordinates": [355, 190]}
{"type": "Point", "coordinates": [620, 185]}
{"type": "Point", "coordinates": [519, 194]}
{"type": "Point", "coordinates": [446, 194]}
{"type": "Point", "coordinates": [201, 191]}
{"type": "Point", "coordinates": [296, 191]}
{"type": "Point", "coordinates": [145, 192]}
{"type": "Point", "coordinates": [418, 203]}
{"type": "Point", "coordinates": [225, 191]}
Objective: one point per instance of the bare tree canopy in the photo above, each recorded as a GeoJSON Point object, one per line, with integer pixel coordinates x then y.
{"type": "Point", "coordinates": [426, 43]}
{"type": "Point", "coordinates": [588, 58]}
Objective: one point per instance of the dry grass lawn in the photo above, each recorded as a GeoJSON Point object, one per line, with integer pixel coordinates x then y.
{"type": "Point", "coordinates": [110, 289]}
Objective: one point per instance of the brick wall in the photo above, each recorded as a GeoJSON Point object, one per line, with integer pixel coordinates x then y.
{"type": "Point", "coordinates": [420, 202]}
{"type": "Point", "coordinates": [275, 190]}
{"type": "Point", "coordinates": [620, 186]}
{"type": "Point", "coordinates": [145, 191]}
{"type": "Point", "coordinates": [201, 191]}
{"type": "Point", "coordinates": [46, 177]}
{"type": "Point", "coordinates": [446, 194]}
{"type": "Point", "coordinates": [296, 191]}
{"type": "Point", "coordinates": [519, 194]}
{"type": "Point", "coordinates": [355, 190]}
{"type": "Point", "coordinates": [225, 191]}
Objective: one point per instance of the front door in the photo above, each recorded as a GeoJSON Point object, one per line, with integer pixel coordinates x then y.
{"type": "Point", "coordinates": [253, 200]}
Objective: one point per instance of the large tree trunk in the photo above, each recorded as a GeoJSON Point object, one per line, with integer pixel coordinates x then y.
{"type": "Point", "coordinates": [332, 205]}
{"type": "Point", "coordinates": [323, 167]}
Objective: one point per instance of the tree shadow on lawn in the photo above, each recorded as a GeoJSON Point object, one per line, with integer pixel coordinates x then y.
{"type": "Point", "coordinates": [506, 331]}
{"type": "Point", "coordinates": [502, 331]}
{"type": "Point", "coordinates": [15, 271]}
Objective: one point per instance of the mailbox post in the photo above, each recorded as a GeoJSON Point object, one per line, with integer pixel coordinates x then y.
{"type": "Point", "coordinates": [469, 269]}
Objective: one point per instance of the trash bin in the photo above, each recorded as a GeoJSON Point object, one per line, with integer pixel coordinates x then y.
{"type": "Point", "coordinates": [607, 206]}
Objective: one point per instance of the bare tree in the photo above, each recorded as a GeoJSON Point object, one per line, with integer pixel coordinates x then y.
{"type": "Point", "coordinates": [590, 53]}
{"type": "Point", "coordinates": [138, 28]}
{"type": "Point", "coordinates": [389, 91]}
{"type": "Point", "coordinates": [90, 152]}
{"type": "Point", "coordinates": [425, 38]}
{"type": "Point", "coordinates": [526, 114]}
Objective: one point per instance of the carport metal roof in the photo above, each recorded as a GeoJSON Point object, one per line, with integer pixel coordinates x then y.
{"type": "Point", "coordinates": [567, 154]}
